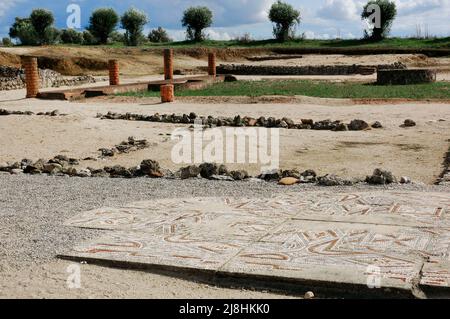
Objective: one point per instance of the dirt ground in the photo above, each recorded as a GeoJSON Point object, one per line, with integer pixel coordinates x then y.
{"type": "Point", "coordinates": [142, 61]}
{"type": "Point", "coordinates": [415, 152]}
{"type": "Point", "coordinates": [102, 282]}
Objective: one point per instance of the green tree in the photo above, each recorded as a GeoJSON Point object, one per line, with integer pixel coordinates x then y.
{"type": "Point", "coordinates": [7, 42]}
{"type": "Point", "coordinates": [102, 23]}
{"type": "Point", "coordinates": [285, 18]}
{"type": "Point", "coordinates": [23, 30]}
{"type": "Point", "coordinates": [196, 19]}
{"type": "Point", "coordinates": [71, 36]}
{"type": "Point", "coordinates": [133, 21]}
{"type": "Point", "coordinates": [42, 21]}
{"type": "Point", "coordinates": [159, 36]}
{"type": "Point", "coordinates": [88, 38]}
{"type": "Point", "coordinates": [381, 28]}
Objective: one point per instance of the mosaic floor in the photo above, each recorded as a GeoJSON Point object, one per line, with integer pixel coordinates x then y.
{"type": "Point", "coordinates": [389, 239]}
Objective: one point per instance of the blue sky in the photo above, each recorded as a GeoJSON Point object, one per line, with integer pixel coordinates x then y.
{"type": "Point", "coordinates": [320, 18]}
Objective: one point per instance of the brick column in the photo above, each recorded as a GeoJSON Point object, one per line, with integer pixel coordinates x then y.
{"type": "Point", "coordinates": [212, 64]}
{"type": "Point", "coordinates": [31, 76]}
{"type": "Point", "coordinates": [113, 72]}
{"type": "Point", "coordinates": [168, 64]}
{"type": "Point", "coordinates": [167, 93]}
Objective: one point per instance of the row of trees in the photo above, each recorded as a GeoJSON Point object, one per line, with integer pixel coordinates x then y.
{"type": "Point", "coordinates": [38, 28]}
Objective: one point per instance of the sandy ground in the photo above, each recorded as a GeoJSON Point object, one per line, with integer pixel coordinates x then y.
{"type": "Point", "coordinates": [416, 152]}
{"type": "Point", "coordinates": [103, 282]}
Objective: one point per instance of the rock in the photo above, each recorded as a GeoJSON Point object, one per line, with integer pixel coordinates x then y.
{"type": "Point", "coordinates": [291, 173]}
{"type": "Point", "coordinates": [106, 152]}
{"type": "Point", "coordinates": [223, 170]}
{"type": "Point", "coordinates": [271, 175]}
{"type": "Point", "coordinates": [405, 180]}
{"type": "Point", "coordinates": [221, 178]}
{"type": "Point", "coordinates": [52, 168]}
{"type": "Point", "coordinates": [189, 172]}
{"type": "Point", "coordinates": [358, 125]}
{"type": "Point", "coordinates": [409, 123]}
{"type": "Point", "coordinates": [308, 176]}
{"type": "Point", "coordinates": [377, 124]}
{"type": "Point", "coordinates": [16, 171]}
{"type": "Point", "coordinates": [289, 122]}
{"type": "Point", "coordinates": [308, 122]}
{"type": "Point", "coordinates": [309, 295]}
{"type": "Point", "coordinates": [287, 181]}
{"type": "Point", "coordinates": [283, 124]}
{"type": "Point", "coordinates": [230, 78]}
{"type": "Point", "coordinates": [381, 177]}
{"type": "Point", "coordinates": [341, 127]}
{"type": "Point", "coordinates": [208, 169]}
{"type": "Point", "coordinates": [71, 171]}
{"type": "Point", "coordinates": [54, 113]}
{"type": "Point", "coordinates": [332, 180]}
{"type": "Point", "coordinates": [84, 172]}
{"type": "Point", "coordinates": [118, 171]}
{"type": "Point", "coordinates": [99, 173]}
{"type": "Point", "coordinates": [151, 168]}
{"type": "Point", "coordinates": [4, 167]}
{"type": "Point", "coordinates": [239, 175]}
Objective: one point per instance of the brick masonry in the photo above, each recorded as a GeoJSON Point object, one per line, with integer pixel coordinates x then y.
{"type": "Point", "coordinates": [113, 66]}
{"type": "Point", "coordinates": [212, 70]}
{"type": "Point", "coordinates": [31, 76]}
{"type": "Point", "coordinates": [167, 93]}
{"type": "Point", "coordinates": [168, 64]}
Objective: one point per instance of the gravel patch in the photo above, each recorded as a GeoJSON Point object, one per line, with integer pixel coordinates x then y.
{"type": "Point", "coordinates": [33, 208]}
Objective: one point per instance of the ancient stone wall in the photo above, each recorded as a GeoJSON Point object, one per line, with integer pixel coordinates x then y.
{"type": "Point", "coordinates": [294, 70]}
{"type": "Point", "coordinates": [409, 76]}
{"type": "Point", "coordinates": [14, 78]}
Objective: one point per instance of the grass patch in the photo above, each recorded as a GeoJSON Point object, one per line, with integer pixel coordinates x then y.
{"type": "Point", "coordinates": [391, 43]}
{"type": "Point", "coordinates": [438, 90]}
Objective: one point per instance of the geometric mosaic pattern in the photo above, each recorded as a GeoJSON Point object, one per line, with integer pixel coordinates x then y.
{"type": "Point", "coordinates": [400, 239]}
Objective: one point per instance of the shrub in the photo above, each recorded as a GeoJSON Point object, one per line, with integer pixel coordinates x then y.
{"type": "Point", "coordinates": [71, 36]}
{"type": "Point", "coordinates": [196, 19]}
{"type": "Point", "coordinates": [388, 12]}
{"type": "Point", "coordinates": [42, 21]}
{"type": "Point", "coordinates": [102, 23]}
{"type": "Point", "coordinates": [285, 18]}
{"type": "Point", "coordinates": [7, 42]}
{"type": "Point", "coordinates": [23, 30]}
{"type": "Point", "coordinates": [88, 38]}
{"type": "Point", "coordinates": [133, 21]}
{"type": "Point", "coordinates": [159, 36]}
{"type": "Point", "coordinates": [244, 39]}
{"type": "Point", "coordinates": [116, 37]}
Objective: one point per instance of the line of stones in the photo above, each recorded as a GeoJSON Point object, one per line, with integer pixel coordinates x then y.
{"type": "Point", "coordinates": [444, 178]}
{"type": "Point", "coordinates": [238, 121]}
{"type": "Point", "coordinates": [63, 166]}
{"type": "Point", "coordinates": [4, 112]}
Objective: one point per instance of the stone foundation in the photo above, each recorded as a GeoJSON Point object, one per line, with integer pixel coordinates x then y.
{"type": "Point", "coordinates": [295, 70]}
{"type": "Point", "coordinates": [14, 79]}
{"type": "Point", "coordinates": [403, 77]}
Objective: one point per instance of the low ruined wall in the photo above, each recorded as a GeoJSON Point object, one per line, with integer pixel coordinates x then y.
{"type": "Point", "coordinates": [402, 77]}
{"type": "Point", "coordinates": [14, 79]}
{"type": "Point", "coordinates": [295, 70]}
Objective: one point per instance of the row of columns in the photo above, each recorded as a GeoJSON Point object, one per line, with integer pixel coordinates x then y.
{"type": "Point", "coordinates": [30, 64]}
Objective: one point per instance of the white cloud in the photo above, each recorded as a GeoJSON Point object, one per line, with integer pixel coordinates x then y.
{"type": "Point", "coordinates": [340, 10]}
{"type": "Point", "coordinates": [6, 5]}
